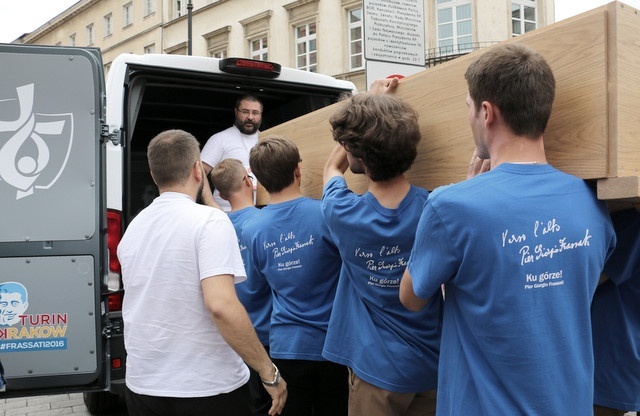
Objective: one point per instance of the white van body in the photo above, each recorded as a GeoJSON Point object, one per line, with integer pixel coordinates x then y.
{"type": "Point", "coordinates": [73, 173]}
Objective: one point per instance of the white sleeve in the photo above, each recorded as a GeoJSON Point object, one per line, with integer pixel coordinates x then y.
{"type": "Point", "coordinates": [212, 151]}
{"type": "Point", "coordinates": [218, 250]}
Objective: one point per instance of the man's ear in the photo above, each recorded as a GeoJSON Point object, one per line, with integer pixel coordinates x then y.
{"type": "Point", "coordinates": [489, 112]}
{"type": "Point", "coordinates": [198, 170]}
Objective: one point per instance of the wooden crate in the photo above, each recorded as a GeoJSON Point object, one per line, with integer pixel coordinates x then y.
{"type": "Point", "coordinates": [593, 133]}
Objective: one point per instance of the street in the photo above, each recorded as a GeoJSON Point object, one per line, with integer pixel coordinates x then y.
{"type": "Point", "coordinates": [61, 404]}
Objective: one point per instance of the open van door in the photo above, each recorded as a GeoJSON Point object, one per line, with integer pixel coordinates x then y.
{"type": "Point", "coordinates": [52, 220]}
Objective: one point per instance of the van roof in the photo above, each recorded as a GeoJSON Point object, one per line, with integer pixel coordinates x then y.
{"type": "Point", "coordinates": [204, 73]}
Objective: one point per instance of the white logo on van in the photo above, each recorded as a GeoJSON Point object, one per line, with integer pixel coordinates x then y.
{"type": "Point", "coordinates": [26, 162]}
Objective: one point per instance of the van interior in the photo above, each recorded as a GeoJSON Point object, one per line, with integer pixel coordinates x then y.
{"type": "Point", "coordinates": [160, 99]}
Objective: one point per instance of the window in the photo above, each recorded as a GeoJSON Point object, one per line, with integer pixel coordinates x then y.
{"type": "Point", "coordinates": [149, 7]}
{"type": "Point", "coordinates": [150, 48]}
{"type": "Point", "coordinates": [127, 14]}
{"type": "Point", "coordinates": [356, 59]}
{"type": "Point", "coordinates": [72, 39]}
{"type": "Point", "coordinates": [106, 25]}
{"type": "Point", "coordinates": [179, 8]}
{"type": "Point", "coordinates": [306, 51]}
{"type": "Point", "coordinates": [218, 42]}
{"type": "Point", "coordinates": [256, 32]}
{"type": "Point", "coordinates": [258, 49]}
{"type": "Point", "coordinates": [454, 26]}
{"type": "Point", "coordinates": [523, 16]}
{"type": "Point", "coordinates": [89, 31]}
{"type": "Point", "coordinates": [222, 53]}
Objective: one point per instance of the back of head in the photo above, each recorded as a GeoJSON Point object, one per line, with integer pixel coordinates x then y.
{"type": "Point", "coordinates": [171, 156]}
{"type": "Point", "coordinates": [273, 160]}
{"type": "Point", "coordinates": [519, 82]}
{"type": "Point", "coordinates": [227, 176]}
{"type": "Point", "coordinates": [381, 130]}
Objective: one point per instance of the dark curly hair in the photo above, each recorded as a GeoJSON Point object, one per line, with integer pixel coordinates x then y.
{"type": "Point", "coordinates": [380, 130]}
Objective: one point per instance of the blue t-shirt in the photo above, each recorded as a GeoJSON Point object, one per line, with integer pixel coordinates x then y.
{"type": "Point", "coordinates": [255, 294]}
{"type": "Point", "coordinates": [615, 314]}
{"type": "Point", "coordinates": [520, 250]}
{"type": "Point", "coordinates": [370, 331]}
{"type": "Point", "coordinates": [289, 245]}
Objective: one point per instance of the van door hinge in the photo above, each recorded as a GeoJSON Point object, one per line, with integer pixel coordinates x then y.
{"type": "Point", "coordinates": [113, 136]}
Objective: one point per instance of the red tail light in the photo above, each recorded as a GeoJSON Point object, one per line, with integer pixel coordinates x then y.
{"type": "Point", "coordinates": [115, 301]}
{"type": "Point", "coordinates": [114, 233]}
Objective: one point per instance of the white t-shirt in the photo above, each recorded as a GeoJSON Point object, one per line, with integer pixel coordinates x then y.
{"type": "Point", "coordinates": [229, 143]}
{"type": "Point", "coordinates": [174, 349]}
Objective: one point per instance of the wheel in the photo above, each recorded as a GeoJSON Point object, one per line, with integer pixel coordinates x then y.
{"type": "Point", "coordinates": [101, 402]}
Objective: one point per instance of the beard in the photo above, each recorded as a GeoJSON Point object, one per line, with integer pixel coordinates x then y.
{"type": "Point", "coordinates": [247, 127]}
{"type": "Point", "coordinates": [199, 199]}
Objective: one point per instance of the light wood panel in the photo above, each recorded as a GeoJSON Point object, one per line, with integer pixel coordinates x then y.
{"type": "Point", "coordinates": [593, 133]}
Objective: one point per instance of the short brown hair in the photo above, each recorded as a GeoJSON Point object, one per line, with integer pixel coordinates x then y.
{"type": "Point", "coordinates": [273, 160]}
{"type": "Point", "coordinates": [171, 155]}
{"type": "Point", "coordinates": [519, 82]}
{"type": "Point", "coordinates": [227, 176]}
{"type": "Point", "coordinates": [379, 129]}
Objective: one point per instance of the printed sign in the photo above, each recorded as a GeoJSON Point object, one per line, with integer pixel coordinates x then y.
{"type": "Point", "coordinates": [21, 332]}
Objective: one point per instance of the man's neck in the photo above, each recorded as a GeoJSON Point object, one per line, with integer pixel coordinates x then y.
{"type": "Point", "coordinates": [289, 193]}
{"type": "Point", "coordinates": [240, 203]}
{"type": "Point", "coordinates": [519, 150]}
{"type": "Point", "coordinates": [390, 193]}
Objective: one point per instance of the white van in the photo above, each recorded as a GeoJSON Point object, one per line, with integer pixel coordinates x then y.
{"type": "Point", "coordinates": [73, 173]}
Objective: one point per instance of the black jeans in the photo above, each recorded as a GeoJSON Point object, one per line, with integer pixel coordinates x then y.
{"type": "Point", "coordinates": [318, 388]}
{"type": "Point", "coordinates": [235, 403]}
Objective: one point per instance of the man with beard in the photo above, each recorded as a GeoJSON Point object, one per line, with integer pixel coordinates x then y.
{"type": "Point", "coordinates": [187, 334]}
{"type": "Point", "coordinates": [235, 142]}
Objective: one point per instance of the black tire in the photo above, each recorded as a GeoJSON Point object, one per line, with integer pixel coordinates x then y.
{"type": "Point", "coordinates": [101, 402]}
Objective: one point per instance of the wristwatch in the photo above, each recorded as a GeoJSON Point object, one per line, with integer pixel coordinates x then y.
{"type": "Point", "coordinates": [276, 378]}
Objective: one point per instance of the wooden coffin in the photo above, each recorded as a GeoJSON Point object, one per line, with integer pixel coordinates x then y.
{"type": "Point", "coordinates": [593, 133]}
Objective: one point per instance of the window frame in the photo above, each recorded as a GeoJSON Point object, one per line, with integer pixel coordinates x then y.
{"type": "Point", "coordinates": [522, 21]}
{"type": "Point", "coordinates": [350, 26]}
{"type": "Point", "coordinates": [90, 34]}
{"type": "Point", "coordinates": [262, 53]}
{"type": "Point", "coordinates": [107, 25]}
{"type": "Point", "coordinates": [455, 22]}
{"type": "Point", "coordinates": [309, 40]}
{"type": "Point", "coordinates": [127, 14]}
{"type": "Point", "coordinates": [148, 7]}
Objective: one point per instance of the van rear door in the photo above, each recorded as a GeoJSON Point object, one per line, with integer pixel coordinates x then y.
{"type": "Point", "coordinates": [52, 219]}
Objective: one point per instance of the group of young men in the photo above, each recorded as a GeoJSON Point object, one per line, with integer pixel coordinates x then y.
{"type": "Point", "coordinates": [472, 299]}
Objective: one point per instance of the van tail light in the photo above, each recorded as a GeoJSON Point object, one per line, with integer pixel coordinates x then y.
{"type": "Point", "coordinates": [250, 67]}
{"type": "Point", "coordinates": [114, 234]}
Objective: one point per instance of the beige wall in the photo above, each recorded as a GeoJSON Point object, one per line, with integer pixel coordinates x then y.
{"type": "Point", "coordinates": [168, 33]}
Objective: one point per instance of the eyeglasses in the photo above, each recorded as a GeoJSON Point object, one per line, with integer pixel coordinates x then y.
{"type": "Point", "coordinates": [246, 113]}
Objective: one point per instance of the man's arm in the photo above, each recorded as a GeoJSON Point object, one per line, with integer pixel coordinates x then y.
{"type": "Point", "coordinates": [207, 168]}
{"type": "Point", "coordinates": [407, 296]}
{"type": "Point", "coordinates": [207, 194]}
{"type": "Point", "coordinates": [337, 163]}
{"type": "Point", "coordinates": [236, 328]}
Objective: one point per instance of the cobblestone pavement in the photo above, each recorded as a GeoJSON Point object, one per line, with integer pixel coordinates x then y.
{"type": "Point", "coordinates": [60, 404]}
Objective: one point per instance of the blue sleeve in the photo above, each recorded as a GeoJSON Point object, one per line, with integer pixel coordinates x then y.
{"type": "Point", "coordinates": [433, 260]}
{"type": "Point", "coordinates": [624, 262]}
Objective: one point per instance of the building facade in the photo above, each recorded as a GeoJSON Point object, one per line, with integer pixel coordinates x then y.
{"type": "Point", "coordinates": [323, 36]}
